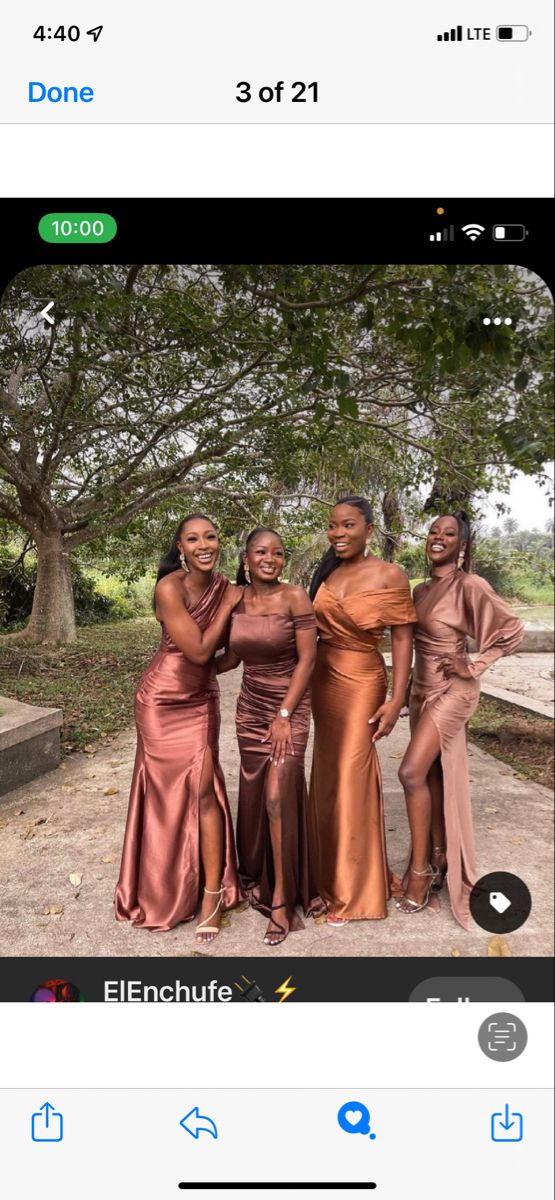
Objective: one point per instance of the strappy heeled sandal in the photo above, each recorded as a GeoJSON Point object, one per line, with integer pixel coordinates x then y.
{"type": "Point", "coordinates": [281, 928]}
{"type": "Point", "coordinates": [441, 871]}
{"type": "Point", "coordinates": [415, 907]}
{"type": "Point", "coordinates": [204, 927]}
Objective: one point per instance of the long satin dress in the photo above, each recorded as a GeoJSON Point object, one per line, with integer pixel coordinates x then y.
{"type": "Point", "coordinates": [346, 801]}
{"type": "Point", "coordinates": [177, 712]}
{"type": "Point", "coordinates": [266, 645]}
{"type": "Point", "coordinates": [449, 610]}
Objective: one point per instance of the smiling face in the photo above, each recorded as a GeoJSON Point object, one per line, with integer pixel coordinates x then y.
{"type": "Point", "coordinates": [443, 543]}
{"type": "Point", "coordinates": [265, 557]}
{"type": "Point", "coordinates": [200, 544]}
{"type": "Point", "coordinates": [348, 532]}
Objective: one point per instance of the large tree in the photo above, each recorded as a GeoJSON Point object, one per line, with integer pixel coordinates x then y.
{"type": "Point", "coordinates": [161, 387]}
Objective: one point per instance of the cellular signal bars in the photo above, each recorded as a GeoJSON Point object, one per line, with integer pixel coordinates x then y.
{"type": "Point", "coordinates": [444, 235]}
{"type": "Point", "coordinates": [456, 35]}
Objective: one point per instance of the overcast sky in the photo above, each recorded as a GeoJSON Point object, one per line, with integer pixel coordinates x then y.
{"type": "Point", "coordinates": [528, 503]}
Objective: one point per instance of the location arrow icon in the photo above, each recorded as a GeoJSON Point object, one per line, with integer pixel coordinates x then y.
{"type": "Point", "coordinates": [45, 312]}
{"type": "Point", "coordinates": [195, 1124]}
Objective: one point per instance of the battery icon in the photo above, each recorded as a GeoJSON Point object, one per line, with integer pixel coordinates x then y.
{"type": "Point", "coordinates": [509, 233]}
{"type": "Point", "coordinates": [512, 33]}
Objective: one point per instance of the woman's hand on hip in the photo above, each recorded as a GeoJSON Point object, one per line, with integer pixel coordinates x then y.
{"type": "Point", "coordinates": [279, 736]}
{"type": "Point", "coordinates": [385, 717]}
{"type": "Point", "coordinates": [455, 666]}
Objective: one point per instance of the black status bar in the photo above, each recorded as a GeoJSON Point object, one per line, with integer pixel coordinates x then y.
{"type": "Point", "coordinates": [288, 230]}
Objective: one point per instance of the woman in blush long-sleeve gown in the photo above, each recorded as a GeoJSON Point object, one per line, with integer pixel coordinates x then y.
{"type": "Point", "coordinates": [452, 605]}
{"type": "Point", "coordinates": [179, 851]}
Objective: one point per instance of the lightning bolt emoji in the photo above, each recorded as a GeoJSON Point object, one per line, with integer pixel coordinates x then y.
{"type": "Point", "coordinates": [284, 991]}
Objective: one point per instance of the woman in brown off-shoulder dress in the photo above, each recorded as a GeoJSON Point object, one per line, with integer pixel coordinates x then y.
{"type": "Point", "coordinates": [179, 851]}
{"type": "Point", "coordinates": [451, 606]}
{"type": "Point", "coordinates": [273, 632]}
{"type": "Point", "coordinates": [353, 607]}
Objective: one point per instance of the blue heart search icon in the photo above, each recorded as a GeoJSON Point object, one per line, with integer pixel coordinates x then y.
{"type": "Point", "coordinates": [354, 1117]}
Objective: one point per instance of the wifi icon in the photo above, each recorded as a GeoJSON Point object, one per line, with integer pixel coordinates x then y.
{"type": "Point", "coordinates": [473, 231]}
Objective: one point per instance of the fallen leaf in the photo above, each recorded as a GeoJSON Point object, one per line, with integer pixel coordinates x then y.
{"type": "Point", "coordinates": [498, 948]}
{"type": "Point", "coordinates": [75, 878]}
{"type": "Point", "coordinates": [100, 829]}
{"type": "Point", "coordinates": [53, 910]}
{"type": "Point", "coordinates": [455, 954]}
{"type": "Point", "coordinates": [19, 812]}
{"type": "Point", "coordinates": [516, 841]}
{"type": "Point", "coordinates": [108, 858]}
{"type": "Point", "coordinates": [111, 791]}
{"type": "Point", "coordinates": [490, 810]}
{"type": "Point", "coordinates": [90, 749]}
{"type": "Point", "coordinates": [225, 921]}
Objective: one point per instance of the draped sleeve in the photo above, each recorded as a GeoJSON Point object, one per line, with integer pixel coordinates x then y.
{"type": "Point", "coordinates": [304, 620]}
{"type": "Point", "coordinates": [491, 622]}
{"type": "Point", "coordinates": [386, 607]}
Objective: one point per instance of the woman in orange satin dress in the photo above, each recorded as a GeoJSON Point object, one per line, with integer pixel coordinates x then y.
{"type": "Point", "coordinates": [451, 606]}
{"type": "Point", "coordinates": [273, 632]}
{"type": "Point", "coordinates": [353, 606]}
{"type": "Point", "coordinates": [179, 851]}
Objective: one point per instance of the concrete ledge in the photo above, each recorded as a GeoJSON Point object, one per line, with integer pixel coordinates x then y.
{"type": "Point", "coordinates": [29, 742]}
{"type": "Point", "coordinates": [536, 706]}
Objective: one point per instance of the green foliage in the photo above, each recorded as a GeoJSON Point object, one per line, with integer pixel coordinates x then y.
{"type": "Point", "coordinates": [98, 598]}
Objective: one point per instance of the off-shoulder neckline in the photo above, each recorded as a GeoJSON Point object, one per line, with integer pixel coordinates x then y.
{"type": "Point", "coordinates": [363, 592]}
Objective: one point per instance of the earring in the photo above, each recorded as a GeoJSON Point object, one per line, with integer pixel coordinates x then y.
{"type": "Point", "coordinates": [460, 559]}
{"type": "Point", "coordinates": [367, 550]}
{"type": "Point", "coordinates": [183, 561]}
{"type": "Point", "coordinates": [247, 574]}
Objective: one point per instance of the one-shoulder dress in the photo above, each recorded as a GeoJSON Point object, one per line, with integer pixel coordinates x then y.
{"type": "Point", "coordinates": [266, 644]}
{"type": "Point", "coordinates": [449, 610]}
{"type": "Point", "coordinates": [346, 803]}
{"type": "Point", "coordinates": [177, 712]}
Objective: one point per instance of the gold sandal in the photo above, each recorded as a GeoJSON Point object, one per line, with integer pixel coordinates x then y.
{"type": "Point", "coordinates": [415, 907]}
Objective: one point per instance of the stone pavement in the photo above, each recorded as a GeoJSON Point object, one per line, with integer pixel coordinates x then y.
{"type": "Point", "coordinates": [524, 679]}
{"type": "Point", "coordinates": [71, 821]}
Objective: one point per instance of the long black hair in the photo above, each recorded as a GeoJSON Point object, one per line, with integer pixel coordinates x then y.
{"type": "Point", "coordinates": [241, 573]}
{"type": "Point", "coordinates": [330, 560]}
{"type": "Point", "coordinates": [172, 559]}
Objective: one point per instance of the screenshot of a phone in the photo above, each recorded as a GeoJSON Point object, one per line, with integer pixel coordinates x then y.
{"type": "Point", "coordinates": [276, 709]}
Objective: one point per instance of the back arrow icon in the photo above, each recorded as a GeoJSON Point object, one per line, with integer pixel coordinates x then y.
{"type": "Point", "coordinates": [45, 312]}
{"type": "Point", "coordinates": [195, 1124]}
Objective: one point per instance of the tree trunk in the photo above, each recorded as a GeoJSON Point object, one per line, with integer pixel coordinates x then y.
{"type": "Point", "coordinates": [393, 523]}
{"type": "Point", "coordinates": [53, 614]}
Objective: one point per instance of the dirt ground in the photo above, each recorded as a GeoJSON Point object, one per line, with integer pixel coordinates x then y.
{"type": "Point", "coordinates": [61, 843]}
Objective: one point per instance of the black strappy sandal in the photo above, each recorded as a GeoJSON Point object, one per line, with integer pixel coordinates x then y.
{"type": "Point", "coordinates": [281, 928]}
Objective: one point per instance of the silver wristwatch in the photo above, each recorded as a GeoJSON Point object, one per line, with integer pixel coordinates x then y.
{"type": "Point", "coordinates": [284, 712]}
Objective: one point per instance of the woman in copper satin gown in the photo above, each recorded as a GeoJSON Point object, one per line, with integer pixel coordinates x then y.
{"type": "Point", "coordinates": [353, 606]}
{"type": "Point", "coordinates": [179, 851]}
{"type": "Point", "coordinates": [444, 692]}
{"type": "Point", "coordinates": [273, 632]}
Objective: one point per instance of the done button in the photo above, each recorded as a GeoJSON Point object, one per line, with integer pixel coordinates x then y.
{"type": "Point", "coordinates": [59, 93]}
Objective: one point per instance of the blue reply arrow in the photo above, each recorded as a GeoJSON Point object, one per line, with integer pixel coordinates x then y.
{"type": "Point", "coordinates": [195, 1124]}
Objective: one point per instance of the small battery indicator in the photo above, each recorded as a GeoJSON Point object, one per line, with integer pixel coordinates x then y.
{"type": "Point", "coordinates": [512, 33]}
{"type": "Point", "coordinates": [509, 233]}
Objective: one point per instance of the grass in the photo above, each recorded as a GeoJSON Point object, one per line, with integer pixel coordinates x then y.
{"type": "Point", "coordinates": [521, 739]}
{"type": "Point", "coordinates": [93, 679]}
{"type": "Point", "coordinates": [94, 682]}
